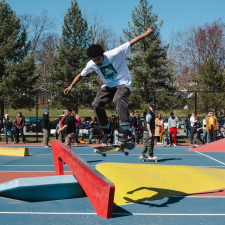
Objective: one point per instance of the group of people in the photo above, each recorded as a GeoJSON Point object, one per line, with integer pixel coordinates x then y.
{"type": "Point", "coordinates": [208, 128]}
{"type": "Point", "coordinates": [136, 128]}
{"type": "Point", "coordinates": [13, 128]}
{"type": "Point", "coordinates": [68, 127]}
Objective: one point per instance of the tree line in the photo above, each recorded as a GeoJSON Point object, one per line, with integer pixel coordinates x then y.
{"type": "Point", "coordinates": [32, 55]}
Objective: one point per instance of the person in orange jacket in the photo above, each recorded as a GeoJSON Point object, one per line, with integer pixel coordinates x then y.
{"type": "Point", "coordinates": [212, 126]}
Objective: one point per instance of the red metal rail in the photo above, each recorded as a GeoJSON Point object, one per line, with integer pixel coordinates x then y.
{"type": "Point", "coordinates": [97, 187]}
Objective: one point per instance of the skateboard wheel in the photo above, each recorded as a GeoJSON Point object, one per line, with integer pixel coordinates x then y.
{"type": "Point", "coordinates": [143, 160]}
{"type": "Point", "coordinates": [117, 149]}
{"type": "Point", "coordinates": [156, 160]}
{"type": "Point", "coordinates": [104, 155]}
{"type": "Point", "coordinates": [126, 153]}
{"type": "Point", "coordinates": [95, 151]}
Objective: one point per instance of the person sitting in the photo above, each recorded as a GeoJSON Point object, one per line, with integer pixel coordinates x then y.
{"type": "Point", "coordinates": [197, 131]}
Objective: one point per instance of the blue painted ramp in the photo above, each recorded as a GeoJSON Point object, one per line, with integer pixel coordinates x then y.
{"type": "Point", "coordinates": [42, 188]}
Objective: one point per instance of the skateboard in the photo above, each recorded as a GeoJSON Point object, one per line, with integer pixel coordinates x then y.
{"type": "Point", "coordinates": [119, 148]}
{"type": "Point", "coordinates": [156, 160]}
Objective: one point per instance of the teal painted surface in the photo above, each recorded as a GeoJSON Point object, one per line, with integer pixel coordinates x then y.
{"type": "Point", "coordinates": [42, 188]}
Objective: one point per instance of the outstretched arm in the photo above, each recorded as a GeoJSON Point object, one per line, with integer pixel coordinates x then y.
{"type": "Point", "coordinates": [75, 81]}
{"type": "Point", "coordinates": [140, 37]}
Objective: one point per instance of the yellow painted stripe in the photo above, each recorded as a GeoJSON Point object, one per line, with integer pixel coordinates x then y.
{"type": "Point", "coordinates": [10, 151]}
{"type": "Point", "coordinates": [140, 182]}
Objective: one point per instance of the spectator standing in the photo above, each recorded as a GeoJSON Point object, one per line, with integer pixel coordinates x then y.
{"type": "Point", "coordinates": [207, 134]}
{"type": "Point", "coordinates": [173, 125]}
{"type": "Point", "coordinates": [63, 131]}
{"type": "Point", "coordinates": [130, 119]}
{"type": "Point", "coordinates": [197, 131]}
{"type": "Point", "coordinates": [139, 125]}
{"type": "Point", "coordinates": [149, 130]}
{"type": "Point", "coordinates": [114, 125]}
{"type": "Point", "coordinates": [7, 128]}
{"type": "Point", "coordinates": [57, 129]}
{"type": "Point", "coordinates": [192, 120]}
{"type": "Point", "coordinates": [204, 135]}
{"type": "Point", "coordinates": [19, 123]}
{"type": "Point", "coordinates": [78, 126]}
{"type": "Point", "coordinates": [46, 128]}
{"type": "Point", "coordinates": [212, 126]}
{"type": "Point", "coordinates": [91, 128]}
{"type": "Point", "coordinates": [188, 126]}
{"type": "Point", "coordinates": [69, 125]}
{"type": "Point", "coordinates": [158, 127]}
{"type": "Point", "coordinates": [134, 127]}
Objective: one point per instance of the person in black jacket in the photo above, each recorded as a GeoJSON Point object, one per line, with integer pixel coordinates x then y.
{"type": "Point", "coordinates": [46, 128]}
{"type": "Point", "coordinates": [197, 127]}
{"type": "Point", "coordinates": [149, 131]}
{"type": "Point", "coordinates": [188, 126]}
{"type": "Point", "coordinates": [133, 128]}
{"type": "Point", "coordinates": [139, 125]}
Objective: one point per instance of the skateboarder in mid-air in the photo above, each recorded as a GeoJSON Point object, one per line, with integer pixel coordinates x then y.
{"type": "Point", "coordinates": [113, 71]}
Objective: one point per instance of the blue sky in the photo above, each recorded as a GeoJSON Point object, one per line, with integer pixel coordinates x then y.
{"type": "Point", "coordinates": [176, 14]}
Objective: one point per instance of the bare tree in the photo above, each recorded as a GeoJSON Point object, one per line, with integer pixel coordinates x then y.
{"type": "Point", "coordinates": [47, 50]}
{"type": "Point", "coordinates": [36, 27]}
{"type": "Point", "coordinates": [102, 34]}
{"type": "Point", "coordinates": [197, 44]}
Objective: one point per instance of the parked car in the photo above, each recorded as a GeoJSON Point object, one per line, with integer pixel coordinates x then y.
{"type": "Point", "coordinates": [181, 123]}
{"type": "Point", "coordinates": [221, 121]}
{"type": "Point", "coordinates": [33, 125]}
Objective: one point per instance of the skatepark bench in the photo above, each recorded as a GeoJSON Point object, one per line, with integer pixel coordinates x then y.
{"type": "Point", "coordinates": [97, 187]}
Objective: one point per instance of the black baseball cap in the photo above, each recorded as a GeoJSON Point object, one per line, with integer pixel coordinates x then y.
{"type": "Point", "coordinates": [152, 105]}
{"type": "Point", "coordinates": [19, 113]}
{"type": "Point", "coordinates": [197, 118]}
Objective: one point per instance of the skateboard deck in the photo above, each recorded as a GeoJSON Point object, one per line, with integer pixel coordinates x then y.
{"type": "Point", "coordinates": [156, 160]}
{"type": "Point", "coordinates": [110, 148]}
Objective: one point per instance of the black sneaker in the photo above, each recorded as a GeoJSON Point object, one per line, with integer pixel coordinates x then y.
{"type": "Point", "coordinates": [106, 135]}
{"type": "Point", "coordinates": [126, 136]}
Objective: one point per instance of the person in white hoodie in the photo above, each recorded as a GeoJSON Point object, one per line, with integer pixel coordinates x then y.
{"type": "Point", "coordinates": [192, 120]}
{"type": "Point", "coordinates": [173, 125]}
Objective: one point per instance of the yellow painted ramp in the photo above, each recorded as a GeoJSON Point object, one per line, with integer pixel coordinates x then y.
{"type": "Point", "coordinates": [12, 151]}
{"type": "Point", "coordinates": [140, 182]}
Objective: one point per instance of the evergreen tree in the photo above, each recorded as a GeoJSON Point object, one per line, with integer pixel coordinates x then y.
{"type": "Point", "coordinates": [70, 61]}
{"type": "Point", "coordinates": [148, 63]}
{"type": "Point", "coordinates": [16, 69]}
{"type": "Point", "coordinates": [211, 82]}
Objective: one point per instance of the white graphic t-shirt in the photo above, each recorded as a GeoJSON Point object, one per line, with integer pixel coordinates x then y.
{"type": "Point", "coordinates": [114, 70]}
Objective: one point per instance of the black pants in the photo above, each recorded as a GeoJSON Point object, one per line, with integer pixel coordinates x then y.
{"type": "Point", "coordinates": [112, 137]}
{"type": "Point", "coordinates": [192, 134]}
{"type": "Point", "coordinates": [119, 97]}
{"type": "Point", "coordinates": [19, 130]}
{"type": "Point", "coordinates": [63, 136]}
{"type": "Point", "coordinates": [197, 136]}
{"type": "Point", "coordinates": [212, 133]}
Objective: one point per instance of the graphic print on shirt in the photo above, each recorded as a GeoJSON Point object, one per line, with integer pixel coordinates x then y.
{"type": "Point", "coordinates": [108, 71]}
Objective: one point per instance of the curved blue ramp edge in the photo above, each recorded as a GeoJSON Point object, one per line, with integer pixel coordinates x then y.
{"type": "Point", "coordinates": [42, 188]}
